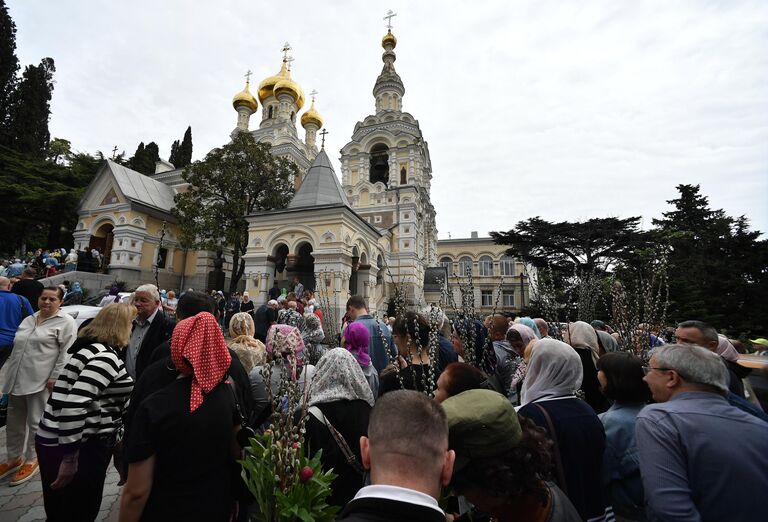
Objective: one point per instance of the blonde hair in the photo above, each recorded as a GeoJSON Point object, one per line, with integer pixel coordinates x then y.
{"type": "Point", "coordinates": [171, 294]}
{"type": "Point", "coordinates": [112, 325]}
{"type": "Point", "coordinates": [250, 351]}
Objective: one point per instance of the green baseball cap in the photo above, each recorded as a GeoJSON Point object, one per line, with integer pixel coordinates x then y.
{"type": "Point", "coordinates": [481, 424]}
{"type": "Point", "coordinates": [761, 341]}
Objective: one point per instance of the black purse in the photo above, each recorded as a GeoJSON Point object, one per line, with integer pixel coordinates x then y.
{"type": "Point", "coordinates": [246, 432]}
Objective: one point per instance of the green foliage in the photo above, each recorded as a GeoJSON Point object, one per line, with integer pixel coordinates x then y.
{"type": "Point", "coordinates": [718, 267]}
{"type": "Point", "coordinates": [144, 158]}
{"type": "Point", "coordinates": [569, 247]}
{"type": "Point", "coordinates": [40, 197]}
{"type": "Point", "coordinates": [181, 152]}
{"type": "Point", "coordinates": [231, 183]}
{"type": "Point", "coordinates": [9, 66]}
{"type": "Point", "coordinates": [30, 109]}
{"type": "Point", "coordinates": [284, 499]}
{"type": "Point", "coordinates": [58, 150]}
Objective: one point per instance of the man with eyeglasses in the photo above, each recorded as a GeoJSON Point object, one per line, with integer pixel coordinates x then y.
{"type": "Point", "coordinates": [691, 464]}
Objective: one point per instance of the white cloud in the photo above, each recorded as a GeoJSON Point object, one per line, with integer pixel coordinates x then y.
{"type": "Point", "coordinates": [567, 110]}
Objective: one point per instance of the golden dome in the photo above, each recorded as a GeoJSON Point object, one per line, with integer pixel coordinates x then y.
{"type": "Point", "coordinates": [311, 116]}
{"type": "Point", "coordinates": [389, 38]}
{"type": "Point", "coordinates": [288, 86]}
{"type": "Point", "coordinates": [267, 85]}
{"type": "Point", "coordinates": [245, 97]}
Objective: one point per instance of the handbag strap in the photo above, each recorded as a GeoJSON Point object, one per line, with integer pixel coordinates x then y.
{"type": "Point", "coordinates": [556, 448]}
{"type": "Point", "coordinates": [231, 385]}
{"type": "Point", "coordinates": [341, 442]}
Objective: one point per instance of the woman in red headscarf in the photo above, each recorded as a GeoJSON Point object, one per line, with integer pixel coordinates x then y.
{"type": "Point", "coordinates": [183, 436]}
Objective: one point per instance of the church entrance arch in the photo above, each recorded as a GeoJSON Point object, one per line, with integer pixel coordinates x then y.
{"type": "Point", "coordinates": [304, 266]}
{"type": "Point", "coordinates": [101, 240]}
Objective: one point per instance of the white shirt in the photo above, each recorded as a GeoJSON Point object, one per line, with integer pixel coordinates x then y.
{"type": "Point", "coordinates": [39, 353]}
{"type": "Point", "coordinates": [410, 496]}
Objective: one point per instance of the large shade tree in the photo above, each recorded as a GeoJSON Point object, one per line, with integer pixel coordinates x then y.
{"type": "Point", "coordinates": [232, 182]}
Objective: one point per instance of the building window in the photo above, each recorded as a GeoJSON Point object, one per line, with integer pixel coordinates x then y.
{"type": "Point", "coordinates": [407, 244]}
{"type": "Point", "coordinates": [486, 266]}
{"type": "Point", "coordinates": [407, 230]}
{"type": "Point", "coordinates": [507, 266]}
{"type": "Point", "coordinates": [448, 264]}
{"type": "Point", "coordinates": [486, 297]}
{"type": "Point", "coordinates": [465, 266]}
{"type": "Point", "coordinates": [403, 176]}
{"type": "Point", "coordinates": [162, 257]}
{"type": "Point", "coordinates": [377, 219]}
{"type": "Point", "coordinates": [407, 216]}
{"type": "Point", "coordinates": [508, 299]}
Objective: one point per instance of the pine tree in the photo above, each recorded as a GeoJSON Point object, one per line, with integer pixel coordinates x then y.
{"type": "Point", "coordinates": [144, 158]}
{"type": "Point", "coordinates": [31, 109]}
{"type": "Point", "coordinates": [9, 66]}
{"type": "Point", "coordinates": [185, 150]}
{"type": "Point", "coordinates": [137, 160]}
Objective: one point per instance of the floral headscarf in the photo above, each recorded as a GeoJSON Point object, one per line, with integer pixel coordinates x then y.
{"type": "Point", "coordinates": [338, 377]}
{"type": "Point", "coordinates": [250, 351]}
{"type": "Point", "coordinates": [356, 340]}
{"type": "Point", "coordinates": [198, 349]}
{"type": "Point", "coordinates": [526, 333]}
{"type": "Point", "coordinates": [286, 340]}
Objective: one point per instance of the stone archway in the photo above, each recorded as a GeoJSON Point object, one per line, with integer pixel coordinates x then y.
{"type": "Point", "coordinates": [303, 265]}
{"type": "Point", "coordinates": [101, 240]}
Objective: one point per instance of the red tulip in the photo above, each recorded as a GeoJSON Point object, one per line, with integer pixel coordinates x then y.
{"type": "Point", "coordinates": [306, 473]}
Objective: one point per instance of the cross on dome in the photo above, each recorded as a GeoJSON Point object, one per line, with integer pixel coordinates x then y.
{"type": "Point", "coordinates": [390, 15]}
{"type": "Point", "coordinates": [286, 49]}
{"type": "Point", "coordinates": [313, 94]}
{"type": "Point", "coordinates": [248, 76]}
{"type": "Point", "coordinates": [323, 133]}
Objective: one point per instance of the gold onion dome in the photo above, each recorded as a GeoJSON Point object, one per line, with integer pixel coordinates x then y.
{"type": "Point", "coordinates": [266, 87]}
{"type": "Point", "coordinates": [389, 38]}
{"type": "Point", "coordinates": [245, 97]}
{"type": "Point", "coordinates": [311, 116]}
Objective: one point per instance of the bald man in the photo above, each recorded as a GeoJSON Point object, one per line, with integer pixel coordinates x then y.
{"type": "Point", "coordinates": [13, 309]}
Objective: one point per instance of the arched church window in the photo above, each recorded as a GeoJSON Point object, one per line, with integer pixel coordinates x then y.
{"type": "Point", "coordinates": [403, 176]}
{"type": "Point", "coordinates": [486, 266]}
{"type": "Point", "coordinates": [465, 266]}
{"type": "Point", "coordinates": [269, 113]}
{"type": "Point", "coordinates": [379, 163]}
{"type": "Point", "coordinates": [448, 264]}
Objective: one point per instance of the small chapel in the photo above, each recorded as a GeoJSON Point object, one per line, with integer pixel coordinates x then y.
{"type": "Point", "coordinates": [367, 233]}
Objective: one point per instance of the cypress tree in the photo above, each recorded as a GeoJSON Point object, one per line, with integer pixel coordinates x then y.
{"type": "Point", "coordinates": [174, 157]}
{"type": "Point", "coordinates": [9, 66]}
{"type": "Point", "coordinates": [185, 150]}
{"type": "Point", "coordinates": [31, 109]}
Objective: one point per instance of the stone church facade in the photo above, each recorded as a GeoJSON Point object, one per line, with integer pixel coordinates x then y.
{"type": "Point", "coordinates": [371, 232]}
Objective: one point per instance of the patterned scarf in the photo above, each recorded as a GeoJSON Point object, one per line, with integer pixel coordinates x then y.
{"type": "Point", "coordinates": [198, 349]}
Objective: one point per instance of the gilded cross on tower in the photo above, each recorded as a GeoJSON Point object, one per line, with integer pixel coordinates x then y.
{"type": "Point", "coordinates": [288, 62]}
{"type": "Point", "coordinates": [313, 94]}
{"type": "Point", "coordinates": [286, 49]}
{"type": "Point", "coordinates": [323, 133]}
{"type": "Point", "coordinates": [390, 15]}
{"type": "Point", "coordinates": [248, 76]}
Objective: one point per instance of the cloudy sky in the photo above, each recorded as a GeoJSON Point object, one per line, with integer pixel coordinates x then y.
{"type": "Point", "coordinates": [566, 110]}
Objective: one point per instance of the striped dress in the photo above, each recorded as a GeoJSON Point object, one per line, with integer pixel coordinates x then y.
{"type": "Point", "coordinates": [88, 399]}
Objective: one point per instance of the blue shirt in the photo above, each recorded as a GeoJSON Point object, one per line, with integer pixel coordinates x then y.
{"type": "Point", "coordinates": [11, 315]}
{"type": "Point", "coordinates": [621, 466]}
{"type": "Point", "coordinates": [702, 459]}
{"type": "Point", "coordinates": [380, 347]}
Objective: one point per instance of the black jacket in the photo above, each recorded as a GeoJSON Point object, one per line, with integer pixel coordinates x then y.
{"type": "Point", "coordinates": [160, 331]}
{"type": "Point", "coordinates": [386, 510]}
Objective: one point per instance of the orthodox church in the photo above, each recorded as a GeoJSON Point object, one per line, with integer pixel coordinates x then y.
{"type": "Point", "coordinates": [365, 234]}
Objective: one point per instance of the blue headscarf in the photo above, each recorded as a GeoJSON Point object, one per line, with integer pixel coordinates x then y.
{"type": "Point", "coordinates": [530, 323]}
{"type": "Point", "coordinates": [75, 288]}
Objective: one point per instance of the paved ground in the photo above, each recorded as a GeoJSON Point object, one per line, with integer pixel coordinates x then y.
{"type": "Point", "coordinates": [25, 503]}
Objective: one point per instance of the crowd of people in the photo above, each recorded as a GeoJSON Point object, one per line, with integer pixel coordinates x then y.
{"type": "Point", "coordinates": [47, 263]}
{"type": "Point", "coordinates": [420, 417]}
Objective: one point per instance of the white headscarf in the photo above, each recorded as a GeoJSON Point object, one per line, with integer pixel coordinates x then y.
{"type": "Point", "coordinates": [553, 371]}
{"type": "Point", "coordinates": [582, 335]}
{"type": "Point", "coordinates": [339, 377]}
{"type": "Point", "coordinates": [726, 350]}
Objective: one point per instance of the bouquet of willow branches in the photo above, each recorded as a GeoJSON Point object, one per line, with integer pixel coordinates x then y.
{"type": "Point", "coordinates": [287, 484]}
